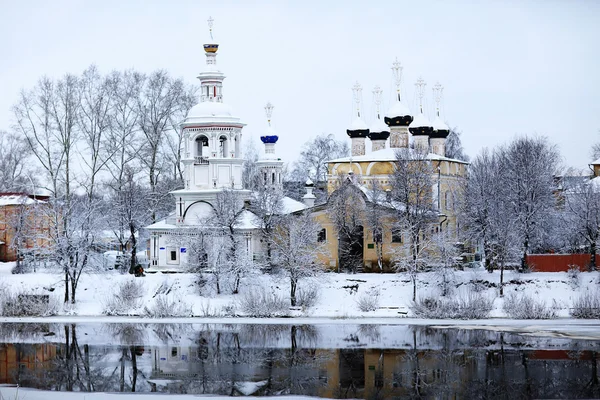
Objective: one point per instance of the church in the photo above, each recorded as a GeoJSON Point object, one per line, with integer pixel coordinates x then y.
{"type": "Point", "coordinates": [213, 160]}
{"type": "Point", "coordinates": [213, 163]}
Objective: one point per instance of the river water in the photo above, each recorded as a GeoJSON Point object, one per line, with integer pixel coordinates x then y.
{"type": "Point", "coordinates": [324, 360]}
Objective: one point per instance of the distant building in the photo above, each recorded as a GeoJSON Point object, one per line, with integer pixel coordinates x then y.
{"type": "Point", "coordinates": [23, 224]}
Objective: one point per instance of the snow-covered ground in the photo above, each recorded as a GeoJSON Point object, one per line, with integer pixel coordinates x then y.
{"type": "Point", "coordinates": [338, 293]}
{"type": "Point", "coordinates": [13, 393]}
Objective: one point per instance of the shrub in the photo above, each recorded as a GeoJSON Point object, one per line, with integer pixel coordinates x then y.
{"type": "Point", "coordinates": [307, 297]}
{"type": "Point", "coordinates": [573, 273]}
{"type": "Point", "coordinates": [167, 306]}
{"type": "Point", "coordinates": [259, 303]}
{"type": "Point", "coordinates": [23, 304]}
{"type": "Point", "coordinates": [471, 305]}
{"type": "Point", "coordinates": [368, 301]}
{"type": "Point", "coordinates": [526, 307]}
{"type": "Point", "coordinates": [125, 299]}
{"type": "Point", "coordinates": [587, 306]}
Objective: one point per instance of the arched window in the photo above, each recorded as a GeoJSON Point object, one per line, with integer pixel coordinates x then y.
{"type": "Point", "coordinates": [223, 147]}
{"type": "Point", "coordinates": [201, 143]}
{"type": "Point", "coordinates": [273, 178]}
{"type": "Point", "coordinates": [322, 236]}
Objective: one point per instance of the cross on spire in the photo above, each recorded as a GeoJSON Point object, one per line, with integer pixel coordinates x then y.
{"type": "Point", "coordinates": [377, 98]}
{"type": "Point", "coordinates": [269, 111]}
{"type": "Point", "coordinates": [438, 90]}
{"type": "Point", "coordinates": [357, 92]}
{"type": "Point", "coordinates": [210, 25]}
{"type": "Point", "coordinates": [397, 72]}
{"type": "Point", "coordinates": [420, 84]}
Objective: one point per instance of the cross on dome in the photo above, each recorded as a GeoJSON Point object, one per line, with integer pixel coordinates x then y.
{"type": "Point", "coordinates": [377, 98]}
{"type": "Point", "coordinates": [357, 92]}
{"type": "Point", "coordinates": [269, 112]}
{"type": "Point", "coordinates": [438, 90]}
{"type": "Point", "coordinates": [397, 72]}
{"type": "Point", "coordinates": [210, 21]}
{"type": "Point", "coordinates": [420, 85]}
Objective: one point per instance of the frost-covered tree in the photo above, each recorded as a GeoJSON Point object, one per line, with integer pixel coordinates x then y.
{"type": "Point", "coordinates": [582, 215]}
{"type": "Point", "coordinates": [14, 168]}
{"type": "Point", "coordinates": [346, 210]}
{"type": "Point", "coordinates": [412, 189]}
{"type": "Point", "coordinates": [297, 250]}
{"type": "Point", "coordinates": [267, 205]}
{"type": "Point", "coordinates": [529, 165]}
{"type": "Point", "coordinates": [454, 147]}
{"type": "Point", "coordinates": [312, 162]}
{"type": "Point", "coordinates": [377, 215]}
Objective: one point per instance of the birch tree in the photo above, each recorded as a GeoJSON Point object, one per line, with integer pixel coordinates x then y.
{"type": "Point", "coordinates": [297, 249]}
{"type": "Point", "coordinates": [14, 169]}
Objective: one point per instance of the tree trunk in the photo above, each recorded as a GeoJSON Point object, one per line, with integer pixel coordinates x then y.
{"type": "Point", "coordinates": [133, 240]}
{"type": "Point", "coordinates": [134, 369]}
{"type": "Point", "coordinates": [293, 284]}
{"type": "Point", "coordinates": [592, 266]}
{"type": "Point", "coordinates": [66, 285]}
{"type": "Point", "coordinates": [524, 259]}
{"type": "Point", "coordinates": [502, 278]}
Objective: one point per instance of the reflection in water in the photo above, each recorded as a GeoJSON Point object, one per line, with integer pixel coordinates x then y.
{"type": "Point", "coordinates": [341, 361]}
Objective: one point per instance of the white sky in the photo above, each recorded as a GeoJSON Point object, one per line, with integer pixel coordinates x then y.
{"type": "Point", "coordinates": [508, 67]}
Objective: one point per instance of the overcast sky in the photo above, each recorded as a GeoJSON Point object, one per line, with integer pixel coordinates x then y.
{"type": "Point", "coordinates": [522, 67]}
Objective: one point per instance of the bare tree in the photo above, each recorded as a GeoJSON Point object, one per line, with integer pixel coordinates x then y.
{"type": "Point", "coordinates": [159, 99]}
{"type": "Point", "coordinates": [412, 185]}
{"type": "Point", "coordinates": [378, 212]}
{"type": "Point", "coordinates": [267, 205]}
{"type": "Point", "coordinates": [297, 250]}
{"type": "Point", "coordinates": [14, 170]}
{"type": "Point", "coordinates": [454, 147]}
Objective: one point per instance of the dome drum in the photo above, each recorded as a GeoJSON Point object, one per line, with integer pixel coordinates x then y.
{"type": "Point", "coordinates": [399, 121]}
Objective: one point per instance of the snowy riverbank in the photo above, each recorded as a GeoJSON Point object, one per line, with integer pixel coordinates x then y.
{"type": "Point", "coordinates": [338, 294]}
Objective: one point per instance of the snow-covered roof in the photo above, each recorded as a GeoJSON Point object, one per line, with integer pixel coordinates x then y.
{"type": "Point", "coordinates": [308, 182]}
{"type": "Point", "coordinates": [379, 126]}
{"type": "Point", "coordinates": [290, 205]}
{"type": "Point", "coordinates": [162, 224]}
{"type": "Point", "coordinates": [358, 125]}
{"type": "Point", "coordinates": [419, 121]}
{"type": "Point", "coordinates": [248, 220]}
{"type": "Point", "coordinates": [211, 112]}
{"type": "Point", "coordinates": [597, 162]}
{"type": "Point", "coordinates": [14, 199]}
{"type": "Point", "coordinates": [439, 125]}
{"type": "Point", "coordinates": [389, 154]}
{"type": "Point", "coordinates": [398, 109]}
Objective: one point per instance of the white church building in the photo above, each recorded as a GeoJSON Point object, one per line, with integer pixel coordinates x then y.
{"type": "Point", "coordinates": [213, 161]}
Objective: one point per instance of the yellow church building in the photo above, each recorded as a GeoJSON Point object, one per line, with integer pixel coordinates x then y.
{"type": "Point", "coordinates": [369, 173]}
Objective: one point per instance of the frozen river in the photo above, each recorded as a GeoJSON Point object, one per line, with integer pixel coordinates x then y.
{"type": "Point", "coordinates": [335, 360]}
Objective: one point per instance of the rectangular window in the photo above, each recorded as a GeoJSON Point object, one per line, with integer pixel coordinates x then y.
{"type": "Point", "coordinates": [172, 255]}
{"type": "Point", "coordinates": [396, 236]}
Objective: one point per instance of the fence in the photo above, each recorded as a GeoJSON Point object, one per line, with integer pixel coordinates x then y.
{"type": "Point", "coordinates": [559, 262]}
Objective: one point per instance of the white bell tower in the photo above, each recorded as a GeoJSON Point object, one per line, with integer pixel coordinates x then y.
{"type": "Point", "coordinates": [269, 165]}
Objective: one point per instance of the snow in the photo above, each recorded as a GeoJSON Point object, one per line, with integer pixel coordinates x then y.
{"type": "Point", "coordinates": [17, 199]}
{"type": "Point", "coordinates": [398, 109]}
{"type": "Point", "coordinates": [34, 394]}
{"type": "Point", "coordinates": [336, 300]}
{"type": "Point", "coordinates": [358, 125]}
{"type": "Point", "coordinates": [248, 220]}
{"type": "Point", "coordinates": [212, 112]}
{"type": "Point", "coordinates": [379, 126]}
{"type": "Point", "coordinates": [290, 205]}
{"type": "Point", "coordinates": [308, 182]}
{"type": "Point", "coordinates": [597, 162]}
{"type": "Point", "coordinates": [439, 125]}
{"type": "Point", "coordinates": [162, 224]}
{"type": "Point", "coordinates": [389, 154]}
{"type": "Point", "coordinates": [419, 121]}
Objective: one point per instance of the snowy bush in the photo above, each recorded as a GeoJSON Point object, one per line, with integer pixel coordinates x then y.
{"type": "Point", "coordinates": [526, 306]}
{"type": "Point", "coordinates": [587, 306]}
{"type": "Point", "coordinates": [573, 273]}
{"type": "Point", "coordinates": [307, 297]}
{"type": "Point", "coordinates": [471, 305]}
{"type": "Point", "coordinates": [259, 303]}
{"type": "Point", "coordinates": [126, 299]}
{"type": "Point", "coordinates": [368, 301]}
{"type": "Point", "coordinates": [21, 304]}
{"type": "Point", "coordinates": [165, 306]}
